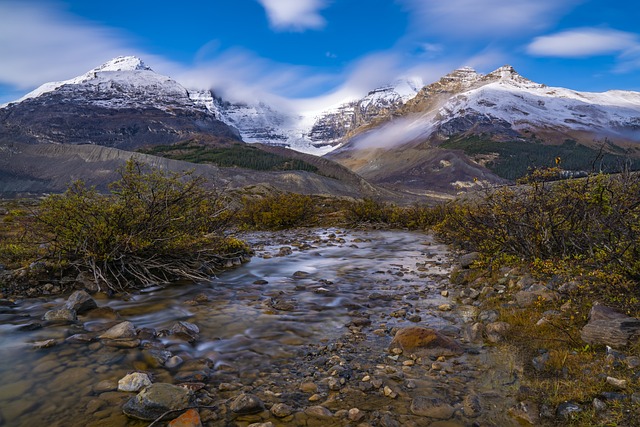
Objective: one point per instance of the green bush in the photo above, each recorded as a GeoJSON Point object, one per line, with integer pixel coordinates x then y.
{"type": "Point", "coordinates": [153, 227]}
{"type": "Point", "coordinates": [595, 220]}
{"type": "Point", "coordinates": [275, 212]}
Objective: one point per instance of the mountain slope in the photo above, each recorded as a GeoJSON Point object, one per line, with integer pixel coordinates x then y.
{"type": "Point", "coordinates": [122, 103]}
{"type": "Point", "coordinates": [489, 119]}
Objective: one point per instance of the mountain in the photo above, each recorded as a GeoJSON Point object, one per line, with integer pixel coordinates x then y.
{"type": "Point", "coordinates": [447, 134]}
{"type": "Point", "coordinates": [88, 126]}
{"type": "Point", "coordinates": [122, 103]}
{"type": "Point", "coordinates": [314, 132]}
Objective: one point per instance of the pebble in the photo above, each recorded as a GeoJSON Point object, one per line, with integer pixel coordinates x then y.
{"type": "Point", "coordinates": [120, 331]}
{"type": "Point", "coordinates": [617, 383]}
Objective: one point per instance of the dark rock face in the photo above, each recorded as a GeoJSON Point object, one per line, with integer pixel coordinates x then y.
{"type": "Point", "coordinates": [66, 116]}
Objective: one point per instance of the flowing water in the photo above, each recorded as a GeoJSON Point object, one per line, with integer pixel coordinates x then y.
{"type": "Point", "coordinates": [308, 300]}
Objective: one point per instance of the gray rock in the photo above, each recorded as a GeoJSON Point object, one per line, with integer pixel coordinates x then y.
{"type": "Point", "coordinates": [156, 358]}
{"type": "Point", "coordinates": [157, 399]}
{"type": "Point", "coordinates": [81, 302]}
{"type": "Point", "coordinates": [135, 381]}
{"type": "Point", "coordinates": [608, 327]}
{"type": "Point", "coordinates": [566, 410]}
{"type": "Point", "coordinates": [123, 330]}
{"type": "Point", "coordinates": [431, 407]}
{"type": "Point", "coordinates": [87, 281]}
{"type": "Point", "coordinates": [488, 316]}
{"type": "Point", "coordinates": [540, 362]}
{"type": "Point", "coordinates": [62, 315]}
{"type": "Point", "coordinates": [599, 405]}
{"type": "Point", "coordinates": [186, 331]}
{"type": "Point", "coordinates": [466, 260]}
{"type": "Point", "coordinates": [246, 404]}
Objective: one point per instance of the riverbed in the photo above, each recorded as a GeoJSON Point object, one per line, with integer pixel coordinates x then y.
{"type": "Point", "coordinates": [307, 322]}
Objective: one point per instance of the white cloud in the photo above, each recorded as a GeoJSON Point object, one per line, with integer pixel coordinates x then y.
{"type": "Point", "coordinates": [294, 15]}
{"type": "Point", "coordinates": [584, 42]}
{"type": "Point", "coordinates": [484, 18]}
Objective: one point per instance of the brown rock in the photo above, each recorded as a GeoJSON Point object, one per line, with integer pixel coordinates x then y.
{"type": "Point", "coordinates": [496, 331]}
{"type": "Point", "coordinates": [191, 418]}
{"type": "Point", "coordinates": [424, 342]}
{"type": "Point", "coordinates": [608, 327]}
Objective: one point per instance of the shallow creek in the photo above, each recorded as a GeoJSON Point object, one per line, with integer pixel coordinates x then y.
{"type": "Point", "coordinates": [312, 307]}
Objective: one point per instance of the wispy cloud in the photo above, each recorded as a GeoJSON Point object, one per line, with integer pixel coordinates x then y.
{"type": "Point", "coordinates": [583, 42]}
{"type": "Point", "coordinates": [484, 18]}
{"type": "Point", "coordinates": [294, 15]}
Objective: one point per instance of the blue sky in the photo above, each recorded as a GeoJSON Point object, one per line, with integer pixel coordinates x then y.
{"type": "Point", "coordinates": [321, 51]}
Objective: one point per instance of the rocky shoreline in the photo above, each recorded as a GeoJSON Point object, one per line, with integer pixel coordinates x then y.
{"type": "Point", "coordinates": [415, 349]}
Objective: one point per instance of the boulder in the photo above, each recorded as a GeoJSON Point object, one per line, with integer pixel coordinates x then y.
{"type": "Point", "coordinates": [424, 342]}
{"type": "Point", "coordinates": [81, 302]}
{"type": "Point", "coordinates": [123, 330]}
{"type": "Point", "coordinates": [608, 327]}
{"type": "Point", "coordinates": [157, 399]}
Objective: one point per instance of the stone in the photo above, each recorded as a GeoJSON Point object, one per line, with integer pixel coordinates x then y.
{"type": "Point", "coordinates": [617, 383]}
{"type": "Point", "coordinates": [186, 331]}
{"type": "Point", "coordinates": [105, 385]}
{"type": "Point", "coordinates": [44, 344]}
{"type": "Point", "coordinates": [471, 406]}
{"type": "Point", "coordinates": [281, 410]}
{"type": "Point", "coordinates": [157, 399]}
{"type": "Point", "coordinates": [473, 333]}
{"type": "Point", "coordinates": [156, 358]}
{"type": "Point", "coordinates": [526, 413]}
{"type": "Point", "coordinates": [267, 424]}
{"type": "Point", "coordinates": [246, 404]}
{"type": "Point", "coordinates": [191, 418]}
{"type": "Point", "coordinates": [87, 281]}
{"type": "Point", "coordinates": [431, 407]}
{"type": "Point", "coordinates": [488, 316]}
{"type": "Point", "coordinates": [135, 381]}
{"type": "Point", "coordinates": [467, 260]}
{"type": "Point", "coordinates": [445, 307]}
{"type": "Point", "coordinates": [355, 415]}
{"type": "Point", "coordinates": [540, 362]}
{"type": "Point", "coordinates": [565, 410]}
{"type": "Point", "coordinates": [424, 342]}
{"type": "Point", "coordinates": [123, 330]}
{"type": "Point", "coordinates": [528, 298]}
{"type": "Point", "coordinates": [81, 302]}
{"type": "Point", "coordinates": [62, 315]}
{"type": "Point", "coordinates": [599, 405]}
{"type": "Point", "coordinates": [122, 343]}
{"type": "Point", "coordinates": [318, 412]}
{"type": "Point", "coordinates": [308, 387]}
{"type": "Point", "coordinates": [608, 327]}
{"type": "Point", "coordinates": [496, 331]}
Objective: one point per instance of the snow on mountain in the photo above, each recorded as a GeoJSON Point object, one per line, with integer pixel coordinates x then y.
{"type": "Point", "coordinates": [525, 105]}
{"type": "Point", "coordinates": [117, 70]}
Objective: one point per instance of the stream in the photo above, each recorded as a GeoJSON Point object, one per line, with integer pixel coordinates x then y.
{"type": "Point", "coordinates": [307, 322]}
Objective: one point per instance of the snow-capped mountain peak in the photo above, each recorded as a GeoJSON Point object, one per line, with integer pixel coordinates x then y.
{"type": "Point", "coordinates": [122, 63]}
{"type": "Point", "coordinates": [126, 69]}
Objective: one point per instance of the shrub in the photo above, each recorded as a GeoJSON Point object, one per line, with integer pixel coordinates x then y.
{"type": "Point", "coordinates": [595, 220]}
{"type": "Point", "coordinates": [277, 211]}
{"type": "Point", "coordinates": [378, 213]}
{"type": "Point", "coordinates": [153, 227]}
